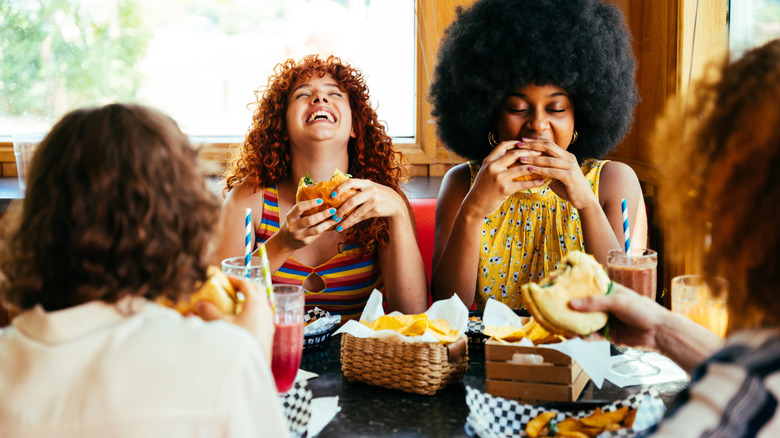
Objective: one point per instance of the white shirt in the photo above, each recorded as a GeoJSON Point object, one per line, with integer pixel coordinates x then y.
{"type": "Point", "coordinates": [134, 369]}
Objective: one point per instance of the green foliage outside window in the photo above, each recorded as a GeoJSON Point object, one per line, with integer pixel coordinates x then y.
{"type": "Point", "coordinates": [61, 54]}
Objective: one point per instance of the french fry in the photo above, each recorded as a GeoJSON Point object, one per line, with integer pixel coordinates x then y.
{"type": "Point", "coordinates": [629, 420]}
{"type": "Point", "coordinates": [602, 419]}
{"type": "Point", "coordinates": [572, 434]}
{"type": "Point", "coordinates": [586, 427]}
{"type": "Point", "coordinates": [569, 425]}
{"type": "Point", "coordinates": [535, 426]}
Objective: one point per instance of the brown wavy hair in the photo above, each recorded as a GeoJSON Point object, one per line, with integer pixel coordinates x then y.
{"type": "Point", "coordinates": [114, 207]}
{"type": "Point", "coordinates": [720, 153]}
{"type": "Point", "coordinates": [264, 157]}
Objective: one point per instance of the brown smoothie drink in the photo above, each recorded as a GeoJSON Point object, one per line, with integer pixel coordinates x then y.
{"type": "Point", "coordinates": [636, 270]}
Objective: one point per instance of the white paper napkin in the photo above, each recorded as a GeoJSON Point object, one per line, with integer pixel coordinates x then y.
{"type": "Point", "coordinates": [304, 375]}
{"type": "Point", "coordinates": [593, 356]}
{"type": "Point", "coordinates": [499, 314]}
{"type": "Point", "coordinates": [670, 372]}
{"type": "Point", "coordinates": [323, 409]}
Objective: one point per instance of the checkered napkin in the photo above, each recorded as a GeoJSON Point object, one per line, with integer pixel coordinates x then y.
{"type": "Point", "coordinates": [493, 417]}
{"type": "Point", "coordinates": [296, 404]}
{"type": "Point", "coordinates": [322, 321]}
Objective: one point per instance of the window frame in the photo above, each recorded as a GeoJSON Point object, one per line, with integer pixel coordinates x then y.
{"type": "Point", "coordinates": [423, 150]}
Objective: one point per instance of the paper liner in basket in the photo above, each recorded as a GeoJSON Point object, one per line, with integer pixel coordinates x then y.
{"type": "Point", "coordinates": [494, 417]}
{"type": "Point", "coordinates": [452, 310]}
{"type": "Point", "coordinates": [323, 321]}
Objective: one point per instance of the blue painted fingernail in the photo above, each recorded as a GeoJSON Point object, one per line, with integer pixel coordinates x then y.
{"type": "Point", "coordinates": [335, 218]}
{"type": "Point", "coordinates": [319, 201]}
{"type": "Point", "coordinates": [339, 228]}
{"type": "Point", "coordinates": [333, 195]}
{"type": "Point", "coordinates": [332, 211]}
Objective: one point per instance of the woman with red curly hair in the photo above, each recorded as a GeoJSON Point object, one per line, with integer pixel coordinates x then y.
{"type": "Point", "coordinates": [315, 116]}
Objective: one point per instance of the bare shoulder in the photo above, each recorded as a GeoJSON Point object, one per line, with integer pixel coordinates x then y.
{"type": "Point", "coordinates": [618, 180]}
{"type": "Point", "coordinates": [616, 172]}
{"type": "Point", "coordinates": [244, 195]}
{"type": "Point", "coordinates": [456, 182]}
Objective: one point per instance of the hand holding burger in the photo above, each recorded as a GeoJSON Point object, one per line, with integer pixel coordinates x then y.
{"type": "Point", "coordinates": [308, 189]}
{"type": "Point", "coordinates": [579, 275]}
{"type": "Point", "coordinates": [217, 290]}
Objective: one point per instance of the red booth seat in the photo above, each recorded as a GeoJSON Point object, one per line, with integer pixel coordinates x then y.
{"type": "Point", "coordinates": [425, 218]}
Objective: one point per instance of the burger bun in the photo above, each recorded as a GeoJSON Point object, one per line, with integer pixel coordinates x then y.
{"type": "Point", "coordinates": [579, 275]}
{"type": "Point", "coordinates": [323, 190]}
{"type": "Point", "coordinates": [217, 290]}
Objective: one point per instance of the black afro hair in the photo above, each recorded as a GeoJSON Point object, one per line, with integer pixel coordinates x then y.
{"type": "Point", "coordinates": [582, 46]}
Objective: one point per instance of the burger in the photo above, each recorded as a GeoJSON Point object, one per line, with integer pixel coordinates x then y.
{"type": "Point", "coordinates": [579, 275]}
{"type": "Point", "coordinates": [217, 289]}
{"type": "Point", "coordinates": [308, 189]}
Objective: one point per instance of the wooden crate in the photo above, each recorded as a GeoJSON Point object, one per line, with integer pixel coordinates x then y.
{"type": "Point", "coordinates": [559, 378]}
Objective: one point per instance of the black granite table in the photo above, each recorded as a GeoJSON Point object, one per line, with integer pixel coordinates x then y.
{"type": "Point", "coordinates": [370, 411]}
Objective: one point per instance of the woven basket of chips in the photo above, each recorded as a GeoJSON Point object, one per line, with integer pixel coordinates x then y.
{"type": "Point", "coordinates": [416, 367]}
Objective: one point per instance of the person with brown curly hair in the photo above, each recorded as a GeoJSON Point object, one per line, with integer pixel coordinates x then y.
{"type": "Point", "coordinates": [116, 215]}
{"type": "Point", "coordinates": [313, 117]}
{"type": "Point", "coordinates": [719, 154]}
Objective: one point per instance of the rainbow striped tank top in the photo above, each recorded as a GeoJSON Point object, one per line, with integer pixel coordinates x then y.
{"type": "Point", "coordinates": [349, 277]}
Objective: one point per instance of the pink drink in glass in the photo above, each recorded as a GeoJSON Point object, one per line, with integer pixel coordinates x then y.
{"type": "Point", "coordinates": [288, 339]}
{"type": "Point", "coordinates": [286, 358]}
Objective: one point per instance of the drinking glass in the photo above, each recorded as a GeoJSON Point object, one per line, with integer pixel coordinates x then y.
{"type": "Point", "coordinates": [636, 270]}
{"type": "Point", "coordinates": [236, 266]}
{"type": "Point", "coordinates": [24, 148]}
{"type": "Point", "coordinates": [704, 303]}
{"type": "Point", "coordinates": [288, 338]}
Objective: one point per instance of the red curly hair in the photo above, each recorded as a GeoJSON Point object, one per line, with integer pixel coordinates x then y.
{"type": "Point", "coordinates": [264, 157]}
{"type": "Point", "coordinates": [720, 191]}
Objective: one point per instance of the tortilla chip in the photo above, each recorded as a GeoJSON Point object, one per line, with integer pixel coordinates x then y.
{"type": "Point", "coordinates": [415, 325]}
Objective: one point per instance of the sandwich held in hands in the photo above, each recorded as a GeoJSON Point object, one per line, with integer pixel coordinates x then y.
{"type": "Point", "coordinates": [579, 275]}
{"type": "Point", "coordinates": [308, 189]}
{"type": "Point", "coordinates": [217, 289]}
{"type": "Point", "coordinates": [528, 177]}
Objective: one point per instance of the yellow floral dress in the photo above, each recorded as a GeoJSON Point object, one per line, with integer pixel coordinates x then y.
{"type": "Point", "coordinates": [526, 238]}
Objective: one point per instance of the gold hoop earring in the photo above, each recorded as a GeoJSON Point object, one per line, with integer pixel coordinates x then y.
{"type": "Point", "coordinates": [492, 140]}
{"type": "Point", "coordinates": [574, 137]}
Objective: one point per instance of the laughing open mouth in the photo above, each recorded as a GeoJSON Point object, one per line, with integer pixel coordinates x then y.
{"type": "Point", "coordinates": [320, 115]}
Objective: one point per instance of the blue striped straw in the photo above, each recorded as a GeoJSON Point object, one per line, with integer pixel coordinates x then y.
{"type": "Point", "coordinates": [626, 234]}
{"type": "Point", "coordinates": [248, 242]}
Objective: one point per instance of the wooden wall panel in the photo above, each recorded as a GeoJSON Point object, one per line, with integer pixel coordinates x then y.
{"type": "Point", "coordinates": [653, 25]}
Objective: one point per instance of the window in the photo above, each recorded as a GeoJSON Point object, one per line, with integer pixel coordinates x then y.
{"type": "Point", "coordinates": [752, 23]}
{"type": "Point", "coordinates": [199, 61]}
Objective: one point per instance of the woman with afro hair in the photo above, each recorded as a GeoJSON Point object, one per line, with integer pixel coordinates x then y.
{"type": "Point", "coordinates": [315, 116]}
{"type": "Point", "coordinates": [534, 93]}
